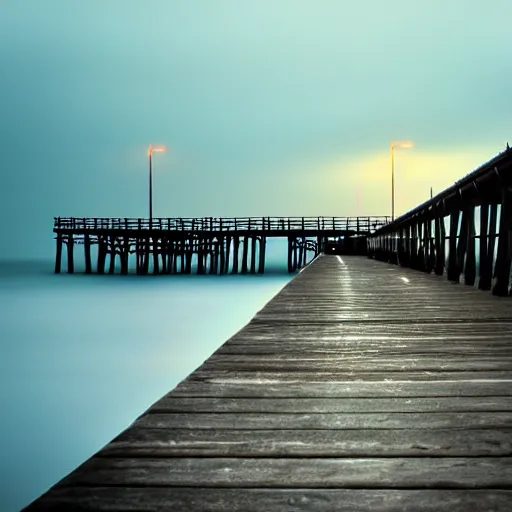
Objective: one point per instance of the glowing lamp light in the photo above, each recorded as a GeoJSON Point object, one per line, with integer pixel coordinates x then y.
{"type": "Point", "coordinates": [404, 144]}
{"type": "Point", "coordinates": [152, 149]}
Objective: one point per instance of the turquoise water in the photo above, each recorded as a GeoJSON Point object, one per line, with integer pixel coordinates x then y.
{"type": "Point", "coordinates": [83, 356]}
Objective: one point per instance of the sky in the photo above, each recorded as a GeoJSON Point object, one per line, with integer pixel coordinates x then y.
{"type": "Point", "coordinates": [268, 107]}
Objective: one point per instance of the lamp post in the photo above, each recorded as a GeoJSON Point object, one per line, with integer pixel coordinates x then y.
{"type": "Point", "coordinates": [150, 153]}
{"type": "Point", "coordinates": [405, 144]}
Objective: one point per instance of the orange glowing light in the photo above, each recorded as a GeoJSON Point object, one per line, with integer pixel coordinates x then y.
{"type": "Point", "coordinates": [404, 144]}
{"type": "Point", "coordinates": [152, 149]}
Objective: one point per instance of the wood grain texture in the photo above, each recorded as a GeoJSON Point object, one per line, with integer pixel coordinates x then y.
{"type": "Point", "coordinates": [361, 386]}
{"type": "Point", "coordinates": [276, 421]}
{"type": "Point", "coordinates": [171, 403]}
{"type": "Point", "coordinates": [453, 442]}
{"type": "Point", "coordinates": [368, 473]}
{"type": "Point", "coordinates": [157, 499]}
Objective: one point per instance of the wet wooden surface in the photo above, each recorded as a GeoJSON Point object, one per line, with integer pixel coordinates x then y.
{"type": "Point", "coordinates": [360, 387]}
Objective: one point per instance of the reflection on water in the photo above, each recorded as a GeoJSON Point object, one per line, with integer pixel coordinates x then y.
{"type": "Point", "coordinates": [83, 356]}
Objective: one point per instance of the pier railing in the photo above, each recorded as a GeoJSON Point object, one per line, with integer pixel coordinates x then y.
{"type": "Point", "coordinates": [464, 231]}
{"type": "Point", "coordinates": [217, 224]}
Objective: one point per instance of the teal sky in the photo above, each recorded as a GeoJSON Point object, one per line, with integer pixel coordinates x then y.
{"type": "Point", "coordinates": [268, 107]}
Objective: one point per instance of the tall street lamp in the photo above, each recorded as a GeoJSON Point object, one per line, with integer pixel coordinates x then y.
{"type": "Point", "coordinates": [150, 153]}
{"type": "Point", "coordinates": [405, 144]}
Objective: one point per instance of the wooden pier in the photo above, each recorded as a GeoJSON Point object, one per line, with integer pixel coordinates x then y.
{"type": "Point", "coordinates": [210, 245]}
{"type": "Point", "coordinates": [362, 386]}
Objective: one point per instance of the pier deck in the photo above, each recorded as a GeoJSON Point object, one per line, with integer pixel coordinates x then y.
{"type": "Point", "coordinates": [361, 386]}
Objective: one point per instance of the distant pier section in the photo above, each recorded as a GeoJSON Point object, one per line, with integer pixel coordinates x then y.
{"type": "Point", "coordinates": [209, 245]}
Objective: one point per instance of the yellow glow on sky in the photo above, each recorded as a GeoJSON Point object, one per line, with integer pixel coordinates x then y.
{"type": "Point", "coordinates": [362, 185]}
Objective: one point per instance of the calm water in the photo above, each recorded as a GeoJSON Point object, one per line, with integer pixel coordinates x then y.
{"type": "Point", "coordinates": [83, 356]}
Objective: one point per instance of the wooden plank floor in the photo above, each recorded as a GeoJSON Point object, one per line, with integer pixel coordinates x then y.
{"type": "Point", "coordinates": [361, 386]}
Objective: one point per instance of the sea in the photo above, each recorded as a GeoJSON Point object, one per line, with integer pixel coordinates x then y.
{"type": "Point", "coordinates": [84, 355]}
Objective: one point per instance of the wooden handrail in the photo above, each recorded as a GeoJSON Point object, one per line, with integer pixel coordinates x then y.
{"type": "Point", "coordinates": [224, 224]}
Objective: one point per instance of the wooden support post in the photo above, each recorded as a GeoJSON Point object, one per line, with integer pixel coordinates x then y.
{"type": "Point", "coordinates": [439, 234]}
{"type": "Point", "coordinates": [182, 255]}
{"type": "Point", "coordinates": [170, 256]}
{"type": "Point", "coordinates": [236, 246]}
{"type": "Point", "coordinates": [462, 244]}
{"type": "Point", "coordinates": [189, 248]}
{"type": "Point", "coordinates": [102, 255]}
{"type": "Point", "coordinates": [112, 244]}
{"type": "Point", "coordinates": [200, 259]}
{"type": "Point", "coordinates": [409, 245]}
{"type": "Point", "coordinates": [125, 255]}
{"type": "Point", "coordinates": [87, 253]}
{"type": "Point", "coordinates": [453, 272]}
{"type": "Point", "coordinates": [403, 247]}
{"type": "Point", "coordinates": [145, 255]}
{"type": "Point", "coordinates": [420, 258]}
{"type": "Point", "coordinates": [137, 255]}
{"type": "Point", "coordinates": [207, 250]}
{"type": "Point", "coordinates": [156, 251]}
{"type": "Point", "coordinates": [290, 256]}
{"type": "Point", "coordinates": [429, 253]}
{"type": "Point", "coordinates": [399, 247]}
{"type": "Point", "coordinates": [470, 267]}
{"type": "Point", "coordinates": [58, 253]}
{"type": "Point", "coordinates": [245, 250]}
{"type": "Point", "coordinates": [164, 244]}
{"type": "Point", "coordinates": [294, 249]}
{"type": "Point", "coordinates": [253, 255]}
{"type": "Point", "coordinates": [228, 254]}
{"type": "Point", "coordinates": [305, 252]}
{"type": "Point", "coordinates": [70, 247]}
{"type": "Point", "coordinates": [214, 247]}
{"type": "Point", "coordinates": [414, 245]}
{"type": "Point", "coordinates": [222, 255]}
{"type": "Point", "coordinates": [300, 250]}
{"type": "Point", "coordinates": [262, 249]}
{"type": "Point", "coordinates": [503, 260]}
{"type": "Point", "coordinates": [484, 272]}
{"type": "Point", "coordinates": [493, 220]}
{"type": "Point", "coordinates": [176, 255]}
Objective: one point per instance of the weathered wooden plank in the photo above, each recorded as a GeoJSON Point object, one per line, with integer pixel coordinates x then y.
{"type": "Point", "coordinates": [355, 375]}
{"type": "Point", "coordinates": [398, 348]}
{"type": "Point", "coordinates": [379, 331]}
{"type": "Point", "coordinates": [154, 499]}
{"type": "Point", "coordinates": [346, 364]}
{"type": "Point", "coordinates": [321, 315]}
{"type": "Point", "coordinates": [157, 442]}
{"type": "Point", "coordinates": [398, 473]}
{"type": "Point", "coordinates": [261, 421]}
{"type": "Point", "coordinates": [273, 388]}
{"type": "Point", "coordinates": [171, 403]}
